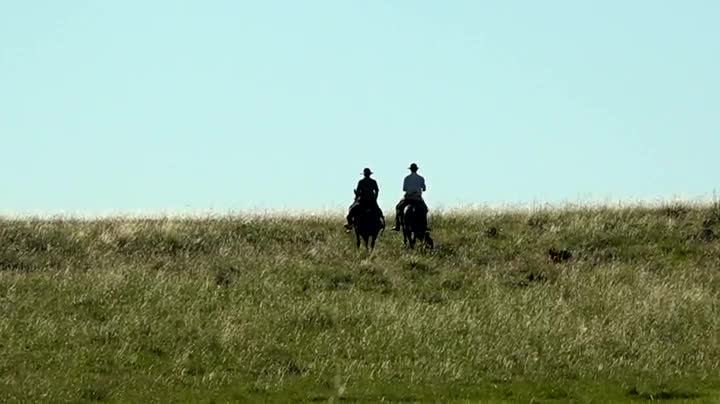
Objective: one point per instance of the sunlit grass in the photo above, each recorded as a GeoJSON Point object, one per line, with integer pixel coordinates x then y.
{"type": "Point", "coordinates": [277, 309]}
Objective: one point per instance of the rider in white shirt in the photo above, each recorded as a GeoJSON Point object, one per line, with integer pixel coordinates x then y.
{"type": "Point", "coordinates": [413, 186]}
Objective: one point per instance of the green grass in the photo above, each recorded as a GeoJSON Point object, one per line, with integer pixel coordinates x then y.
{"type": "Point", "coordinates": [237, 309]}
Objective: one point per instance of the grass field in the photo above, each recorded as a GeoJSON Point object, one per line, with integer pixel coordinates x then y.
{"type": "Point", "coordinates": [234, 309]}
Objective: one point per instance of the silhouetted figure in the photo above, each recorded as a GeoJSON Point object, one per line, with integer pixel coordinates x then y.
{"type": "Point", "coordinates": [415, 228]}
{"type": "Point", "coordinates": [413, 186]}
{"type": "Point", "coordinates": [366, 195]}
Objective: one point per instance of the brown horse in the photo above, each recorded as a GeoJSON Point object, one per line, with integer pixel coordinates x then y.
{"type": "Point", "coordinates": [415, 228]}
{"type": "Point", "coordinates": [367, 224]}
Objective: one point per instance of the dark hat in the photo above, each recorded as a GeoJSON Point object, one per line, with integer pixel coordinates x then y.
{"type": "Point", "coordinates": [413, 166]}
{"type": "Point", "coordinates": [367, 172]}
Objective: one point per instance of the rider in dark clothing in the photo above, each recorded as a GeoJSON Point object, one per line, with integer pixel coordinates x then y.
{"type": "Point", "coordinates": [366, 193]}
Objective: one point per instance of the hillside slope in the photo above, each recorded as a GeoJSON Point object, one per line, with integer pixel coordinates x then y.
{"type": "Point", "coordinates": [251, 309]}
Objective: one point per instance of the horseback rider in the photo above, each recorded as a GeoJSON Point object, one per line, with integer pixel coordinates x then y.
{"type": "Point", "coordinates": [413, 185]}
{"type": "Point", "coordinates": [366, 194]}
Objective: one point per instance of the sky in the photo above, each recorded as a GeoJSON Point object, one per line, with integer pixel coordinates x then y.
{"type": "Point", "coordinates": [212, 105]}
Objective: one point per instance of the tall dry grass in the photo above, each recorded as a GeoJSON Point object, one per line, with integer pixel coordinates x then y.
{"type": "Point", "coordinates": [257, 309]}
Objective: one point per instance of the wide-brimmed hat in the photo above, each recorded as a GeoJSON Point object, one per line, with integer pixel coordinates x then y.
{"type": "Point", "coordinates": [413, 166]}
{"type": "Point", "coordinates": [367, 171]}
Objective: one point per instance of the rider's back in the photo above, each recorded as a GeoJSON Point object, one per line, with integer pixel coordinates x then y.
{"type": "Point", "coordinates": [414, 185]}
{"type": "Point", "coordinates": [367, 189]}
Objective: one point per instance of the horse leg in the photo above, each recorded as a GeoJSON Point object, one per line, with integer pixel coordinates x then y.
{"type": "Point", "coordinates": [372, 241]}
{"type": "Point", "coordinates": [357, 239]}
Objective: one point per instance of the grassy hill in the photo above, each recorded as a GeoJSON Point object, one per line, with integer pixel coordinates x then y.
{"type": "Point", "coordinates": [281, 309]}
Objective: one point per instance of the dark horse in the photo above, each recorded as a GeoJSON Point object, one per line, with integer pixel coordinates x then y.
{"type": "Point", "coordinates": [415, 226]}
{"type": "Point", "coordinates": [367, 225]}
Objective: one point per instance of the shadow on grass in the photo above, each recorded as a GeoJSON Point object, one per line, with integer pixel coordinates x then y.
{"type": "Point", "coordinates": [662, 393]}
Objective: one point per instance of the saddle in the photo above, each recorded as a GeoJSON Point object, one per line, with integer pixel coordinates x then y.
{"type": "Point", "coordinates": [366, 207]}
{"type": "Point", "coordinates": [364, 201]}
{"type": "Point", "coordinates": [418, 204]}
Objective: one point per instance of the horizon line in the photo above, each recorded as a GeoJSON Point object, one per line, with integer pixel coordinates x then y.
{"type": "Point", "coordinates": [210, 213]}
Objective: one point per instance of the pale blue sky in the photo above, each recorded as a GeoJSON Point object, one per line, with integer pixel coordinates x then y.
{"type": "Point", "coordinates": [166, 104]}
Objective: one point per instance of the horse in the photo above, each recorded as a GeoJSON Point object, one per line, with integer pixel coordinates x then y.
{"type": "Point", "coordinates": [414, 226]}
{"type": "Point", "coordinates": [367, 225]}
